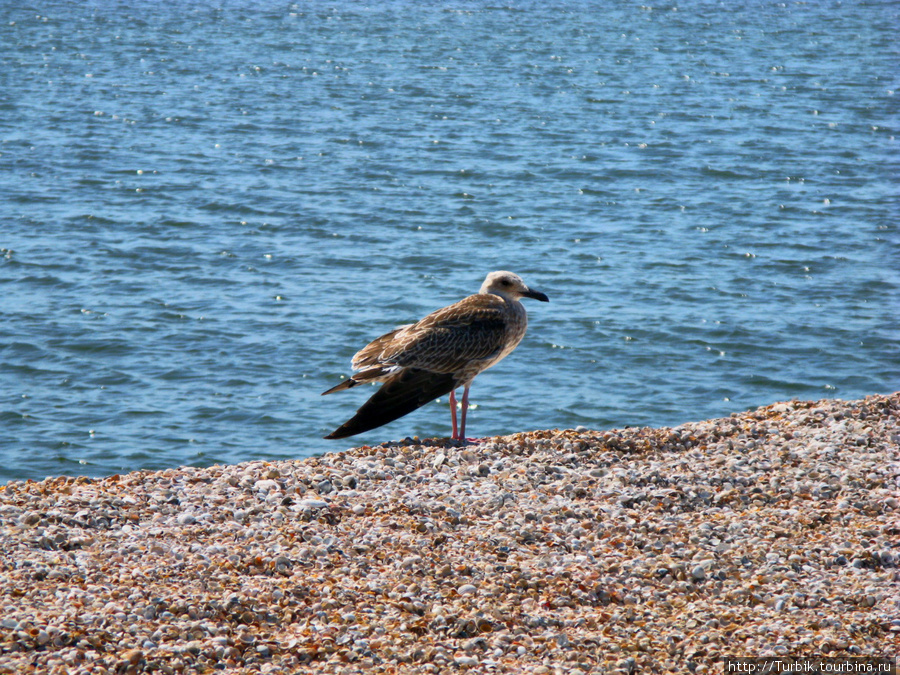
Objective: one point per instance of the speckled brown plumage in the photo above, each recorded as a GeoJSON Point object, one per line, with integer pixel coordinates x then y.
{"type": "Point", "coordinates": [446, 350]}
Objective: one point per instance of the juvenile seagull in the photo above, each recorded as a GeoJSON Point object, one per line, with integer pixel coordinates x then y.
{"type": "Point", "coordinates": [445, 350]}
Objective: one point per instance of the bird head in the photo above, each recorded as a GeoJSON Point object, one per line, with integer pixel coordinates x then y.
{"type": "Point", "coordinates": [509, 285]}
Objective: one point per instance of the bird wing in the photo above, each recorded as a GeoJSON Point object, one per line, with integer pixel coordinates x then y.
{"type": "Point", "coordinates": [371, 354]}
{"type": "Point", "coordinates": [450, 339]}
{"type": "Point", "coordinates": [402, 393]}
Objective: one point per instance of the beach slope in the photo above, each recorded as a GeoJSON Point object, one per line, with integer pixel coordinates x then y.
{"type": "Point", "coordinates": [770, 532]}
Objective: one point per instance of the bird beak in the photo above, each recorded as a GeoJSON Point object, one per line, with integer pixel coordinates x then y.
{"type": "Point", "coordinates": [537, 295]}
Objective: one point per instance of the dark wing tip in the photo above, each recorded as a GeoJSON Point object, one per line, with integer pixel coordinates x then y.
{"type": "Point", "coordinates": [404, 392]}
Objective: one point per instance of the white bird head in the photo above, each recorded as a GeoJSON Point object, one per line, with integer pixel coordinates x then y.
{"type": "Point", "coordinates": [510, 286]}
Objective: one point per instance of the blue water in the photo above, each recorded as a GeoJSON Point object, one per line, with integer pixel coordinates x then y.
{"type": "Point", "coordinates": [206, 210]}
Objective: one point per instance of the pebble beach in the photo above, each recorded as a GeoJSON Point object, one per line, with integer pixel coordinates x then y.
{"type": "Point", "coordinates": [770, 532]}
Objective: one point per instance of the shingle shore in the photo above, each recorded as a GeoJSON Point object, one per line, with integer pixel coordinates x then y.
{"type": "Point", "coordinates": [771, 532]}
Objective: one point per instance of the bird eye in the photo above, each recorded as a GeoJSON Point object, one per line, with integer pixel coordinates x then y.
{"type": "Point", "coordinates": [506, 282]}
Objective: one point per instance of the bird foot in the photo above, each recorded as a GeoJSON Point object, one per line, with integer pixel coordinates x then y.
{"type": "Point", "coordinates": [463, 442]}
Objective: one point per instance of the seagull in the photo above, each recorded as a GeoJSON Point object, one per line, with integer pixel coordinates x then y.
{"type": "Point", "coordinates": [421, 361]}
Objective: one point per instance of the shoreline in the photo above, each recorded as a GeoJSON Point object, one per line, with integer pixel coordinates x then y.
{"type": "Point", "coordinates": [772, 532]}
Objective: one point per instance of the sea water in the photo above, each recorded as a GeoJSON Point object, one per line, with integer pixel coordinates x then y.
{"type": "Point", "coordinates": [207, 208]}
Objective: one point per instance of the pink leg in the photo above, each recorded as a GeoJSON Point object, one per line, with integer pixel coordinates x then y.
{"type": "Point", "coordinates": [453, 414]}
{"type": "Point", "coordinates": [465, 408]}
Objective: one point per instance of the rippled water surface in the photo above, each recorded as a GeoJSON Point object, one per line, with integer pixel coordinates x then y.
{"type": "Point", "coordinates": [206, 210]}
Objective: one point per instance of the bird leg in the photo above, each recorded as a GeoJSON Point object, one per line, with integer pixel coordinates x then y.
{"type": "Point", "coordinates": [453, 413]}
{"type": "Point", "coordinates": [465, 408]}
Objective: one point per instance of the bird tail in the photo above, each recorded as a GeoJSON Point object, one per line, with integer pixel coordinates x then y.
{"type": "Point", "coordinates": [402, 393]}
{"type": "Point", "coordinates": [346, 384]}
{"type": "Point", "coordinates": [376, 374]}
